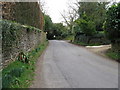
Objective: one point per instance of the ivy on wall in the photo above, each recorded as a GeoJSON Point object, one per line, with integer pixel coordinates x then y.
{"type": "Point", "coordinates": [12, 34]}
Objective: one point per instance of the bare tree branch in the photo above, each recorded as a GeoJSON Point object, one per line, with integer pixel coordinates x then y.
{"type": "Point", "coordinates": [65, 19]}
{"type": "Point", "coordinates": [42, 6]}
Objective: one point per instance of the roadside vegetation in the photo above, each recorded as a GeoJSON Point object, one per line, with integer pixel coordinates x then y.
{"type": "Point", "coordinates": [54, 30]}
{"type": "Point", "coordinates": [112, 30]}
{"type": "Point", "coordinates": [97, 23]}
{"type": "Point", "coordinates": [20, 73]}
{"type": "Point", "coordinates": [23, 41]}
{"type": "Point", "coordinates": [83, 25]}
{"type": "Point", "coordinates": [114, 55]}
{"type": "Point", "coordinates": [68, 38]}
{"type": "Point", "coordinates": [89, 24]}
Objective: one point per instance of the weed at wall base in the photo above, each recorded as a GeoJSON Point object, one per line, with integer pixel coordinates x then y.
{"type": "Point", "coordinates": [19, 74]}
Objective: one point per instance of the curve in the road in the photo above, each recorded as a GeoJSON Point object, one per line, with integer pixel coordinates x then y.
{"type": "Point", "coordinates": [68, 66]}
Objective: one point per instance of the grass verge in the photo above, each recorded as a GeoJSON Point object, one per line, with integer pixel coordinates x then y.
{"type": "Point", "coordinates": [85, 44]}
{"type": "Point", "coordinates": [113, 55]}
{"type": "Point", "coordinates": [69, 38]}
{"type": "Point", "coordinates": [19, 74]}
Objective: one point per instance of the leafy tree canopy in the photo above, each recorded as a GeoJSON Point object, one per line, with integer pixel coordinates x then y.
{"type": "Point", "coordinates": [112, 24]}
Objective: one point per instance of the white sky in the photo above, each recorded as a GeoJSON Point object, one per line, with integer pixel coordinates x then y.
{"type": "Point", "coordinates": [55, 7]}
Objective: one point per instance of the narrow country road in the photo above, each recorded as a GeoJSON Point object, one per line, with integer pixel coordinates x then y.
{"type": "Point", "coordinates": [64, 65]}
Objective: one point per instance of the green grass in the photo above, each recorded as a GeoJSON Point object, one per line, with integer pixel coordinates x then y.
{"type": "Point", "coordinates": [93, 44]}
{"type": "Point", "coordinates": [113, 55]}
{"type": "Point", "coordinates": [80, 43]}
{"type": "Point", "coordinates": [69, 37]}
{"type": "Point", "coordinates": [85, 44]}
{"type": "Point", "coordinates": [19, 74]}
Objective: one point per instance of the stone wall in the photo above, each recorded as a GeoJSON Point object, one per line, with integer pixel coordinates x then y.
{"type": "Point", "coordinates": [15, 36]}
{"type": "Point", "coordinates": [26, 13]}
{"type": "Point", "coordinates": [18, 38]}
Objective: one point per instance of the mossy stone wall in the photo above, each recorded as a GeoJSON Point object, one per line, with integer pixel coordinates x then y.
{"type": "Point", "coordinates": [18, 38]}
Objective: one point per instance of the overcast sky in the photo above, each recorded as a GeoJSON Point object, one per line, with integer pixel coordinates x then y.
{"type": "Point", "coordinates": [54, 7]}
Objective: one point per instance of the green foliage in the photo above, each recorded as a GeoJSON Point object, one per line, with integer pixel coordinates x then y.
{"type": "Point", "coordinates": [111, 26]}
{"type": "Point", "coordinates": [69, 37]}
{"type": "Point", "coordinates": [48, 26]}
{"type": "Point", "coordinates": [86, 44]}
{"type": "Point", "coordinates": [80, 43]}
{"type": "Point", "coordinates": [87, 27]}
{"type": "Point", "coordinates": [11, 73]}
{"type": "Point", "coordinates": [48, 23]}
{"type": "Point", "coordinates": [94, 11]}
{"type": "Point", "coordinates": [54, 29]}
{"type": "Point", "coordinates": [12, 29]}
{"type": "Point", "coordinates": [19, 74]}
{"type": "Point", "coordinates": [113, 55]}
{"type": "Point", "coordinates": [112, 30]}
{"type": "Point", "coordinates": [11, 34]}
{"type": "Point", "coordinates": [59, 30]}
{"type": "Point", "coordinates": [89, 23]}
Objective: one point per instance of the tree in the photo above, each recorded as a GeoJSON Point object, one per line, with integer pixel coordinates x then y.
{"type": "Point", "coordinates": [87, 26]}
{"type": "Point", "coordinates": [48, 23]}
{"type": "Point", "coordinates": [54, 29]}
{"type": "Point", "coordinates": [59, 30]}
{"type": "Point", "coordinates": [70, 16]}
{"type": "Point", "coordinates": [95, 11]}
{"type": "Point", "coordinates": [112, 27]}
{"type": "Point", "coordinates": [48, 26]}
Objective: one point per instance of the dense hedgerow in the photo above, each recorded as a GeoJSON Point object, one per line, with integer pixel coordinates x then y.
{"type": "Point", "coordinates": [112, 27]}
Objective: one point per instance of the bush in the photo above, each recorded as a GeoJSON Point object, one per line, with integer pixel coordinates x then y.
{"type": "Point", "coordinates": [112, 28]}
{"type": "Point", "coordinates": [111, 25]}
{"type": "Point", "coordinates": [87, 27]}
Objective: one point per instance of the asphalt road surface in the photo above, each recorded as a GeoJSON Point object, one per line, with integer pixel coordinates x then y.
{"type": "Point", "coordinates": [64, 65]}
